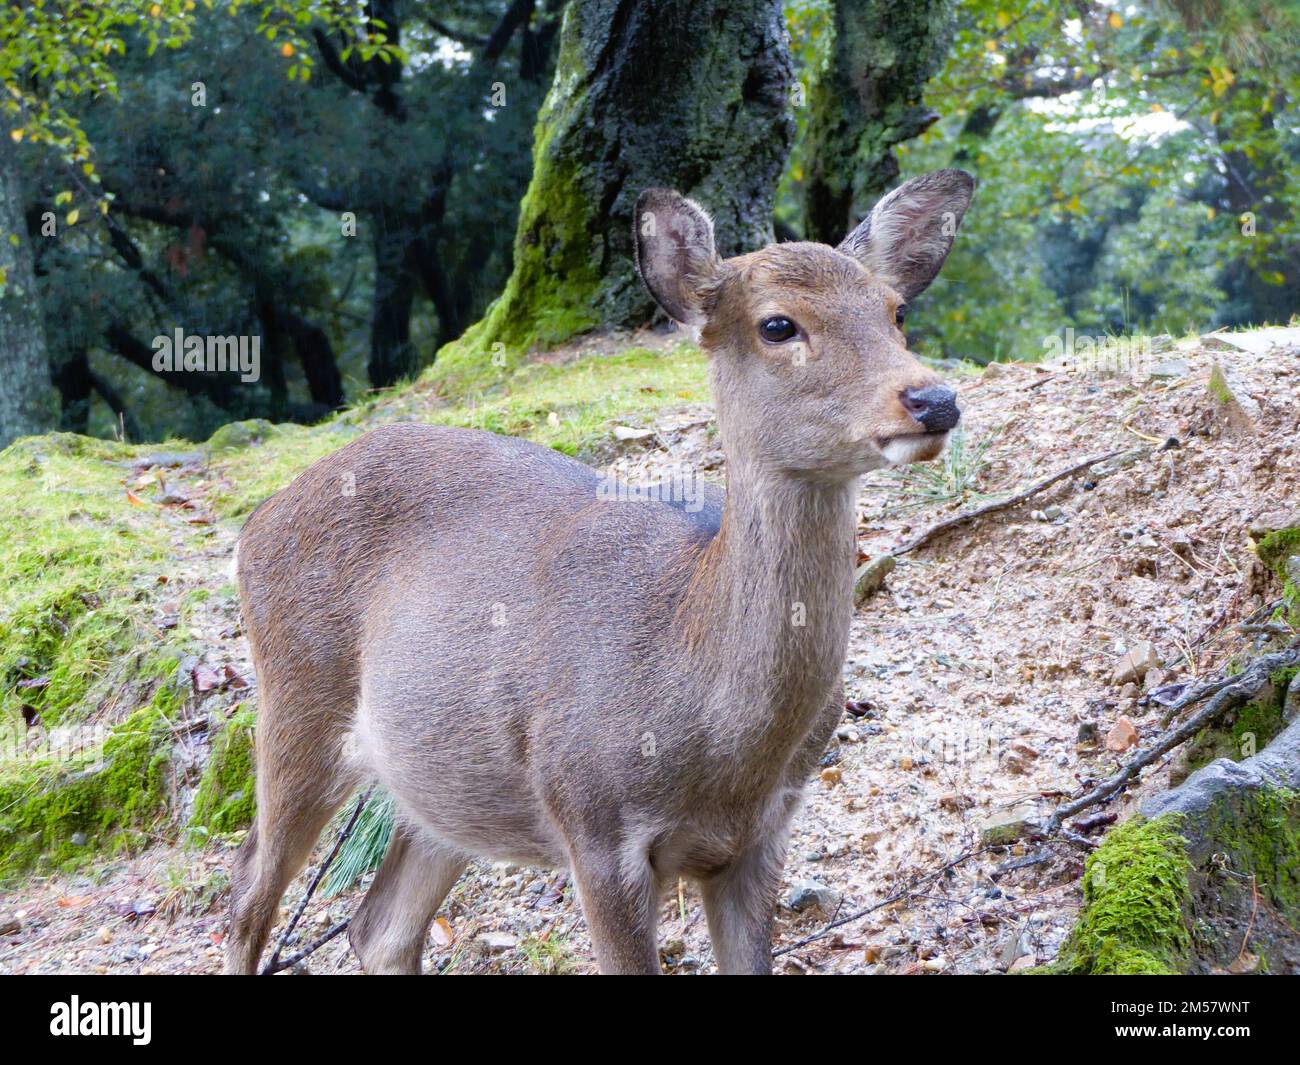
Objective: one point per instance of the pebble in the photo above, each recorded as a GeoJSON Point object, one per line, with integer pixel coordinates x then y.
{"type": "Point", "coordinates": [498, 942]}
{"type": "Point", "coordinates": [813, 895]}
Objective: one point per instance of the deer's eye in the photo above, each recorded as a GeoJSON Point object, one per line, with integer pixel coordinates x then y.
{"type": "Point", "coordinates": [776, 330]}
{"type": "Point", "coordinates": [900, 314]}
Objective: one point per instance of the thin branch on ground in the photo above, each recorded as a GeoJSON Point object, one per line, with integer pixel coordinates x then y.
{"type": "Point", "coordinates": [1224, 694]}
{"type": "Point", "coordinates": [275, 964]}
{"type": "Point", "coordinates": [910, 890]}
{"type": "Point", "coordinates": [1002, 504]}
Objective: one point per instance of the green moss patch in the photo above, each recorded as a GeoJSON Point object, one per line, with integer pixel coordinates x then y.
{"type": "Point", "coordinates": [1258, 834]}
{"type": "Point", "coordinates": [226, 797]}
{"type": "Point", "coordinates": [1136, 899]}
{"type": "Point", "coordinates": [60, 814]}
{"type": "Point", "coordinates": [78, 559]}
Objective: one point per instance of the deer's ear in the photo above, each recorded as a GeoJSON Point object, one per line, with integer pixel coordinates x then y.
{"type": "Point", "coordinates": [909, 233]}
{"type": "Point", "coordinates": [675, 256]}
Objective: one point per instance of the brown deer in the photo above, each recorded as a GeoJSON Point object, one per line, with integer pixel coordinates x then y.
{"type": "Point", "coordinates": [636, 691]}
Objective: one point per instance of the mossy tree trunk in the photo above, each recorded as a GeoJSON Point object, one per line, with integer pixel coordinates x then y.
{"type": "Point", "coordinates": [866, 100]}
{"type": "Point", "coordinates": [26, 393]}
{"type": "Point", "coordinates": [693, 94]}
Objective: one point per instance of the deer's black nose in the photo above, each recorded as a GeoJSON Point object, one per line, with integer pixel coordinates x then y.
{"type": "Point", "coordinates": [934, 407]}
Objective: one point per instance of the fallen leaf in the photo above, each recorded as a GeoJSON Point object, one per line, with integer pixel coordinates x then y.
{"type": "Point", "coordinates": [204, 679]}
{"type": "Point", "coordinates": [441, 933]}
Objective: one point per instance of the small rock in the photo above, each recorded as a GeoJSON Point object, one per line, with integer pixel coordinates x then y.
{"type": "Point", "coordinates": [870, 576]}
{"type": "Point", "coordinates": [831, 776]}
{"type": "Point", "coordinates": [1025, 961]}
{"type": "Point", "coordinates": [627, 432]}
{"type": "Point", "coordinates": [1012, 764]}
{"type": "Point", "coordinates": [1007, 826]}
{"type": "Point", "coordinates": [848, 734]}
{"type": "Point", "coordinates": [498, 942]}
{"type": "Point", "coordinates": [813, 894]}
{"type": "Point", "coordinates": [78, 839]}
{"type": "Point", "coordinates": [1122, 736]}
{"type": "Point", "coordinates": [1129, 691]}
{"type": "Point", "coordinates": [105, 934]}
{"type": "Point", "coordinates": [1134, 665]}
{"type": "Point", "coordinates": [1053, 513]}
{"type": "Point", "coordinates": [1170, 370]}
{"type": "Point", "coordinates": [1154, 679]}
{"type": "Point", "coordinates": [956, 803]}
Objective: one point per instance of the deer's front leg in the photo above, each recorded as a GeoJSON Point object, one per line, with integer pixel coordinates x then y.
{"type": "Point", "coordinates": [739, 903]}
{"type": "Point", "coordinates": [619, 905]}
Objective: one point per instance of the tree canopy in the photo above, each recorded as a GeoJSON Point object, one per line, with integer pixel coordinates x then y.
{"type": "Point", "coordinates": [356, 185]}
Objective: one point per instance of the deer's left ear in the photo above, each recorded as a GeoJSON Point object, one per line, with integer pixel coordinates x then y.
{"type": "Point", "coordinates": [909, 233]}
{"type": "Point", "coordinates": [675, 256]}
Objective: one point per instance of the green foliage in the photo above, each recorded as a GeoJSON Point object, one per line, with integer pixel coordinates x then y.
{"type": "Point", "coordinates": [1136, 174]}
{"type": "Point", "coordinates": [365, 846]}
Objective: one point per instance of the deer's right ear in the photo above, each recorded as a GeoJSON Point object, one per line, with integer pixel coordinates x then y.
{"type": "Point", "coordinates": [675, 256]}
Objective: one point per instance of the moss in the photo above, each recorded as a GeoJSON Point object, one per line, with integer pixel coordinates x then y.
{"type": "Point", "coordinates": [1249, 731]}
{"type": "Point", "coordinates": [556, 274]}
{"type": "Point", "coordinates": [1136, 899]}
{"type": "Point", "coordinates": [1218, 385]}
{"type": "Point", "coordinates": [587, 396]}
{"type": "Point", "coordinates": [1276, 547]}
{"type": "Point", "coordinates": [79, 560]}
{"type": "Point", "coordinates": [59, 815]}
{"type": "Point", "coordinates": [226, 797]}
{"type": "Point", "coordinates": [1258, 833]}
{"type": "Point", "coordinates": [241, 434]}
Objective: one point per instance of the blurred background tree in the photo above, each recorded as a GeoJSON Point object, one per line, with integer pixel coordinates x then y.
{"type": "Point", "coordinates": [344, 180]}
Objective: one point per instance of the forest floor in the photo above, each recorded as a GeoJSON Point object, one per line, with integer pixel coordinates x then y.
{"type": "Point", "coordinates": [982, 673]}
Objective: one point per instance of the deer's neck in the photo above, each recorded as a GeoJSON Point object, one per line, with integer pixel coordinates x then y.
{"type": "Point", "coordinates": [772, 599]}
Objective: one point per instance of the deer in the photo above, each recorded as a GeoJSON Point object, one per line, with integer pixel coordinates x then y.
{"type": "Point", "coordinates": [632, 691]}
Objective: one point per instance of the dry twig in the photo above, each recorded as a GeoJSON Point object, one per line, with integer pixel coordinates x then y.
{"type": "Point", "coordinates": [1001, 504]}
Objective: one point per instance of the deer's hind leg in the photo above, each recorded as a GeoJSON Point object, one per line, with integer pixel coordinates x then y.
{"type": "Point", "coordinates": [389, 929]}
{"type": "Point", "coordinates": [302, 778]}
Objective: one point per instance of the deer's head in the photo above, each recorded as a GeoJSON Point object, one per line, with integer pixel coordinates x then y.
{"type": "Point", "coordinates": [809, 363]}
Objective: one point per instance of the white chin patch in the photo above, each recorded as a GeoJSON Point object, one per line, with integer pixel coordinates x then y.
{"type": "Point", "coordinates": [904, 449]}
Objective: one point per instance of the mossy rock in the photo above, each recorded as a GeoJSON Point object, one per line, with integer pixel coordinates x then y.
{"type": "Point", "coordinates": [1205, 879]}
{"type": "Point", "coordinates": [1136, 904]}
{"type": "Point", "coordinates": [243, 434]}
{"type": "Point", "coordinates": [226, 797]}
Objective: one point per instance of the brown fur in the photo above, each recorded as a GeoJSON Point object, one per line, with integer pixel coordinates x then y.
{"type": "Point", "coordinates": [630, 690]}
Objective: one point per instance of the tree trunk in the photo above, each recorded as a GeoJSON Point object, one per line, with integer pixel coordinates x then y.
{"type": "Point", "coordinates": [694, 94]}
{"type": "Point", "coordinates": [866, 100]}
{"type": "Point", "coordinates": [27, 401]}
